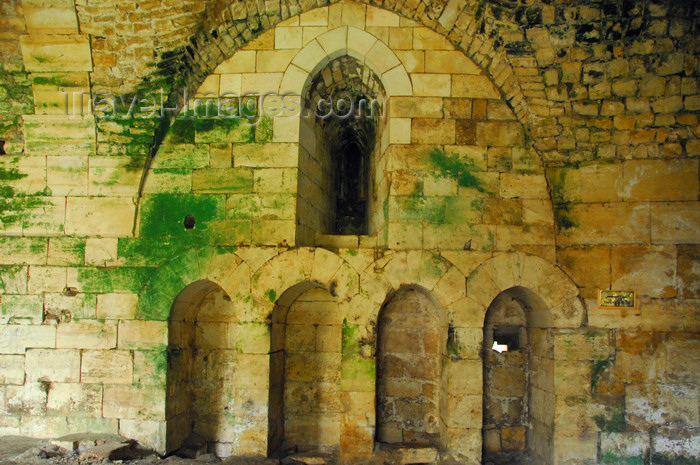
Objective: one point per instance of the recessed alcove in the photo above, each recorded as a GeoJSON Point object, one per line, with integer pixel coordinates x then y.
{"type": "Point", "coordinates": [201, 369]}
{"type": "Point", "coordinates": [305, 357]}
{"type": "Point", "coordinates": [518, 387]}
{"type": "Point", "coordinates": [411, 347]}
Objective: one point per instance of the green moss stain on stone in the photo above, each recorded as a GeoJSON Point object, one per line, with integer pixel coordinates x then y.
{"type": "Point", "coordinates": [613, 420]}
{"type": "Point", "coordinates": [490, 242]}
{"type": "Point", "coordinates": [13, 279]}
{"type": "Point", "coordinates": [223, 130]}
{"type": "Point", "coordinates": [146, 251]}
{"type": "Point", "coordinates": [181, 132]}
{"type": "Point", "coordinates": [417, 207]}
{"type": "Point", "coordinates": [271, 295]}
{"type": "Point", "coordinates": [155, 367]}
{"type": "Point", "coordinates": [20, 209]}
{"type": "Point", "coordinates": [453, 348]}
{"type": "Point", "coordinates": [597, 370]}
{"type": "Point", "coordinates": [451, 165]}
{"type": "Point", "coordinates": [350, 343]}
{"type": "Point", "coordinates": [563, 217]}
{"type": "Point", "coordinates": [263, 130]}
{"type": "Point", "coordinates": [432, 267]}
{"type": "Point", "coordinates": [162, 215]}
{"type": "Point", "coordinates": [231, 233]}
{"type": "Point", "coordinates": [154, 305]}
{"type": "Point", "coordinates": [661, 458]}
{"type": "Point", "coordinates": [357, 371]}
{"type": "Point", "coordinates": [16, 99]}
{"type": "Point", "coordinates": [82, 306]}
{"type": "Point", "coordinates": [598, 367]}
{"type": "Point", "coordinates": [609, 458]}
{"type": "Point", "coordinates": [106, 280]}
{"type": "Point", "coordinates": [10, 175]}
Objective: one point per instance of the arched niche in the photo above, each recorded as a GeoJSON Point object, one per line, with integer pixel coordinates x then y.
{"type": "Point", "coordinates": [305, 358]}
{"type": "Point", "coordinates": [518, 367]}
{"type": "Point", "coordinates": [411, 384]}
{"type": "Point", "coordinates": [340, 189]}
{"type": "Point", "coordinates": [201, 370]}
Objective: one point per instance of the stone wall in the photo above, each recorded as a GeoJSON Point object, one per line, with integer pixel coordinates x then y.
{"type": "Point", "coordinates": [546, 147]}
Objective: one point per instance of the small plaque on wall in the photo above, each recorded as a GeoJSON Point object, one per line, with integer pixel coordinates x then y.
{"type": "Point", "coordinates": [617, 299]}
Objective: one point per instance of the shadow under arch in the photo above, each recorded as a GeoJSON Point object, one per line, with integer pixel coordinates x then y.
{"type": "Point", "coordinates": [411, 384]}
{"type": "Point", "coordinates": [305, 356]}
{"type": "Point", "coordinates": [200, 369]}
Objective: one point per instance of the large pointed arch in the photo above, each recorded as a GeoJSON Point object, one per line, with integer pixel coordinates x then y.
{"type": "Point", "coordinates": [226, 29]}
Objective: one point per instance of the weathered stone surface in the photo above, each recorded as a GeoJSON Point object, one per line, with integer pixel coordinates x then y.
{"type": "Point", "coordinates": [675, 222]}
{"type": "Point", "coordinates": [106, 217]}
{"type": "Point", "coordinates": [513, 92]}
{"type": "Point", "coordinates": [56, 52]}
{"type": "Point", "coordinates": [133, 402]}
{"type": "Point", "coordinates": [657, 404]}
{"type": "Point", "coordinates": [106, 366]}
{"type": "Point", "coordinates": [629, 265]}
{"type": "Point", "coordinates": [58, 365]}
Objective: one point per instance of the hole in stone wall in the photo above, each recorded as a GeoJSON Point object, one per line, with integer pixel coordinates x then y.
{"type": "Point", "coordinates": [2, 147]}
{"type": "Point", "coordinates": [189, 222]}
{"type": "Point", "coordinates": [508, 336]}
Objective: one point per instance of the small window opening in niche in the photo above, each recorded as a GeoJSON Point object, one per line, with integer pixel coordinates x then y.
{"type": "Point", "coordinates": [189, 222]}
{"type": "Point", "coordinates": [351, 151]}
{"type": "Point", "coordinates": [506, 338]}
{"type": "Point", "coordinates": [340, 157]}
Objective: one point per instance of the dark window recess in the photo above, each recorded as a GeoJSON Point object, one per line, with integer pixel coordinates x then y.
{"type": "Point", "coordinates": [189, 222]}
{"type": "Point", "coordinates": [2, 147]}
{"type": "Point", "coordinates": [351, 178]}
{"type": "Point", "coordinates": [507, 336]}
{"type": "Point", "coordinates": [351, 151]}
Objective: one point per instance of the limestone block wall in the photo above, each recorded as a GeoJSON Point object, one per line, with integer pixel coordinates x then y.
{"type": "Point", "coordinates": [583, 136]}
{"type": "Point", "coordinates": [454, 152]}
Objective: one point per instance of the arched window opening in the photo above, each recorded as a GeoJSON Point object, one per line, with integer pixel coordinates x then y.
{"type": "Point", "coordinates": [351, 146]}
{"type": "Point", "coordinates": [338, 190]}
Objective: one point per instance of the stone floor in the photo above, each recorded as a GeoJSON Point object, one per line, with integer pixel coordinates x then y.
{"type": "Point", "coordinates": [509, 458]}
{"type": "Point", "coordinates": [113, 450]}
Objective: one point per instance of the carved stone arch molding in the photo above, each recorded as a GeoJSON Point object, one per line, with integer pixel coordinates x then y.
{"type": "Point", "coordinates": [226, 28]}
{"type": "Point", "coordinates": [531, 276]}
{"type": "Point", "coordinates": [351, 41]}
